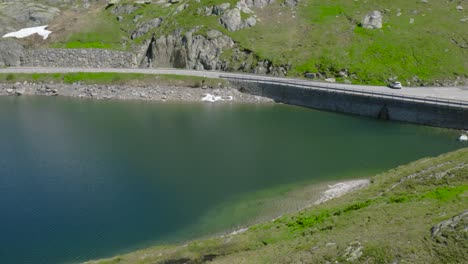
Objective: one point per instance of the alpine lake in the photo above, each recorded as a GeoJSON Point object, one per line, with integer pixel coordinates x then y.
{"type": "Point", "coordinates": [82, 179]}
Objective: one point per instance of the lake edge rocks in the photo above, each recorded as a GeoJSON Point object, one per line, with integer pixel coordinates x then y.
{"type": "Point", "coordinates": [159, 93]}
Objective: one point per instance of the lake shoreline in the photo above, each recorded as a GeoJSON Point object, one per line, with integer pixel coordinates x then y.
{"type": "Point", "coordinates": [159, 93]}
{"type": "Point", "coordinates": [334, 189]}
{"type": "Point", "coordinates": [322, 192]}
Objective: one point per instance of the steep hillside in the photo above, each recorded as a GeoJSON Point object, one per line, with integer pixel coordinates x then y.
{"type": "Point", "coordinates": [420, 42]}
{"type": "Point", "coordinates": [412, 214]}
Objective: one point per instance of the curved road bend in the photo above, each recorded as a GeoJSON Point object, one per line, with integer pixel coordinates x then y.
{"type": "Point", "coordinates": [457, 96]}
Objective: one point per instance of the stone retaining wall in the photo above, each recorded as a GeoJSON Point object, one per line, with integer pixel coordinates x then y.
{"type": "Point", "coordinates": [83, 58]}
{"type": "Point", "coordinates": [383, 108]}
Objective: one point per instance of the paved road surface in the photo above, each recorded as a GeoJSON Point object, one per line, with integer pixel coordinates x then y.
{"type": "Point", "coordinates": [443, 95]}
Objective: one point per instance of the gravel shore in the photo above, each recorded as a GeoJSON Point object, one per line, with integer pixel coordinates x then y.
{"type": "Point", "coordinates": [161, 93]}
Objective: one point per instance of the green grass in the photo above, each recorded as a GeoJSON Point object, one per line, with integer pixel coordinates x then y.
{"type": "Point", "coordinates": [391, 220]}
{"type": "Point", "coordinates": [112, 78]}
{"type": "Point", "coordinates": [322, 36]}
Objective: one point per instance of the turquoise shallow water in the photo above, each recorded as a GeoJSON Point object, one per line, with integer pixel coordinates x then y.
{"type": "Point", "coordinates": [87, 179]}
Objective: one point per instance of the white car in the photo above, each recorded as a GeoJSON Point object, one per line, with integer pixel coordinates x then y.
{"type": "Point", "coordinates": [395, 85]}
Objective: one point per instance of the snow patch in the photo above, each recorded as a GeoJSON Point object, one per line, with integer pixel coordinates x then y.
{"type": "Point", "coordinates": [214, 98]}
{"type": "Point", "coordinates": [26, 32]}
{"type": "Point", "coordinates": [240, 231]}
{"type": "Point", "coordinates": [340, 189]}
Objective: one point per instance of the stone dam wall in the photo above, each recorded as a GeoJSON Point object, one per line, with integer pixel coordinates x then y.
{"type": "Point", "coordinates": [430, 114]}
{"type": "Point", "coordinates": [82, 58]}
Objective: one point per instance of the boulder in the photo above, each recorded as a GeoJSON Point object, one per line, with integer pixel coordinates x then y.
{"type": "Point", "coordinates": [211, 34]}
{"type": "Point", "coordinates": [10, 52]}
{"type": "Point", "coordinates": [249, 22]}
{"type": "Point", "coordinates": [232, 20]}
{"type": "Point", "coordinates": [290, 3]}
{"type": "Point", "coordinates": [205, 11]}
{"type": "Point", "coordinates": [258, 3]}
{"type": "Point", "coordinates": [242, 5]}
{"type": "Point", "coordinates": [181, 8]}
{"type": "Point", "coordinates": [220, 9]}
{"type": "Point", "coordinates": [373, 20]}
{"type": "Point", "coordinates": [124, 9]}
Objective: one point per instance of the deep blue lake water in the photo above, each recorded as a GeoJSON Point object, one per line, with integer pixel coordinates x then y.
{"type": "Point", "coordinates": [89, 179]}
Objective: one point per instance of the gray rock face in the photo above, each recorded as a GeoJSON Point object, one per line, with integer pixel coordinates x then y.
{"type": "Point", "coordinates": [189, 51]}
{"type": "Point", "coordinates": [125, 9]}
{"type": "Point", "coordinates": [220, 9]}
{"type": "Point", "coordinates": [454, 228]}
{"type": "Point", "coordinates": [258, 3]}
{"type": "Point", "coordinates": [205, 11]}
{"type": "Point", "coordinates": [373, 20]}
{"type": "Point", "coordinates": [10, 53]}
{"type": "Point", "coordinates": [213, 10]}
{"type": "Point", "coordinates": [211, 34]}
{"type": "Point", "coordinates": [146, 27]}
{"type": "Point", "coordinates": [290, 3]}
{"type": "Point", "coordinates": [16, 15]}
{"type": "Point", "coordinates": [232, 20]}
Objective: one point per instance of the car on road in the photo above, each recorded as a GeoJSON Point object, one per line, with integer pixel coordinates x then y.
{"type": "Point", "coordinates": [395, 85]}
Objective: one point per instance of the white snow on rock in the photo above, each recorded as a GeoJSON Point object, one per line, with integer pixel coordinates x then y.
{"type": "Point", "coordinates": [214, 98]}
{"type": "Point", "coordinates": [26, 32]}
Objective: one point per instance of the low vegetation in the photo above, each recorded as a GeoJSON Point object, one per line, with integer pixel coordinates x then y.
{"type": "Point", "coordinates": [395, 220]}
{"type": "Point", "coordinates": [113, 78]}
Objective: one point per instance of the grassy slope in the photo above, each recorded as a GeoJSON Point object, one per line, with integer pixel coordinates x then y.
{"type": "Point", "coordinates": [320, 36]}
{"type": "Point", "coordinates": [389, 224]}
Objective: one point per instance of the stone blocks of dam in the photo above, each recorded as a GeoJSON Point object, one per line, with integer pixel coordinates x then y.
{"type": "Point", "coordinates": [397, 109]}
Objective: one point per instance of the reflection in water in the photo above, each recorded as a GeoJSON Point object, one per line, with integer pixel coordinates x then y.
{"type": "Point", "coordinates": [84, 179]}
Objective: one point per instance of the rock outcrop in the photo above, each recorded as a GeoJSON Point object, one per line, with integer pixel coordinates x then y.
{"type": "Point", "coordinates": [451, 238]}
{"type": "Point", "coordinates": [259, 3]}
{"type": "Point", "coordinates": [17, 15]}
{"type": "Point", "coordinates": [10, 52]}
{"type": "Point", "coordinates": [290, 3]}
{"type": "Point", "coordinates": [188, 50]}
{"type": "Point", "coordinates": [232, 20]}
{"type": "Point", "coordinates": [373, 20]}
{"type": "Point", "coordinates": [146, 27]}
{"type": "Point", "coordinates": [451, 229]}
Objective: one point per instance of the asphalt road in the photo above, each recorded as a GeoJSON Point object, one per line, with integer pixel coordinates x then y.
{"type": "Point", "coordinates": [443, 95]}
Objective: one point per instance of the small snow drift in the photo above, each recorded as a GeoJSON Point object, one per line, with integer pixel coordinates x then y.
{"type": "Point", "coordinates": [463, 137]}
{"type": "Point", "coordinates": [342, 188]}
{"type": "Point", "coordinates": [214, 98]}
{"type": "Point", "coordinates": [26, 32]}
